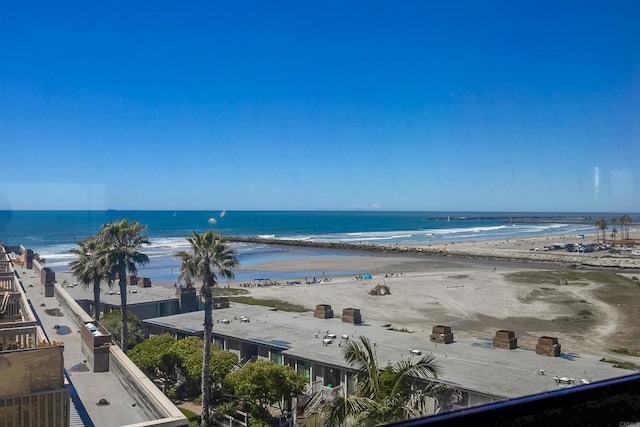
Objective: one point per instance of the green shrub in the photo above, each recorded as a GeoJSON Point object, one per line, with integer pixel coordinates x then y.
{"type": "Point", "coordinates": [268, 302]}
{"type": "Point", "coordinates": [623, 350]}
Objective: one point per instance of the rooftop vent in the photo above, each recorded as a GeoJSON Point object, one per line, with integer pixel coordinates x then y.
{"type": "Point", "coordinates": [323, 311]}
{"type": "Point", "coordinates": [441, 335]}
{"type": "Point", "coordinates": [548, 346]}
{"type": "Point", "coordinates": [351, 315]}
{"type": "Point", "coordinates": [505, 339]}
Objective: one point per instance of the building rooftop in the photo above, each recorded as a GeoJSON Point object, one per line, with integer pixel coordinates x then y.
{"type": "Point", "coordinates": [471, 364]}
{"type": "Point", "coordinates": [135, 295]}
{"type": "Point", "coordinates": [91, 386]}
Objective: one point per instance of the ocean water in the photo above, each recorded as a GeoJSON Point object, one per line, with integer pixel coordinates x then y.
{"type": "Point", "coordinates": [53, 233]}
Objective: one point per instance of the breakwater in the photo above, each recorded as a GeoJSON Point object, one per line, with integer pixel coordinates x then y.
{"type": "Point", "coordinates": [359, 247]}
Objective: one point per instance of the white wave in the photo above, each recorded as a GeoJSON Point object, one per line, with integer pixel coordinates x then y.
{"type": "Point", "coordinates": [431, 234]}
{"type": "Point", "coordinates": [49, 256]}
{"type": "Point", "coordinates": [394, 234]}
{"type": "Point", "coordinates": [302, 238]}
{"type": "Point", "coordinates": [267, 236]}
{"type": "Point", "coordinates": [57, 264]}
{"type": "Point", "coordinates": [169, 242]}
{"type": "Point", "coordinates": [542, 227]}
{"type": "Point", "coordinates": [368, 239]}
{"type": "Point", "coordinates": [245, 247]}
{"type": "Point", "coordinates": [442, 231]}
{"type": "Point", "coordinates": [154, 252]}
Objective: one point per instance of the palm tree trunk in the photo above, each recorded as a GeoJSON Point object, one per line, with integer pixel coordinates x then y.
{"type": "Point", "coordinates": [206, 356]}
{"type": "Point", "coordinates": [96, 299]}
{"type": "Point", "coordinates": [122, 283]}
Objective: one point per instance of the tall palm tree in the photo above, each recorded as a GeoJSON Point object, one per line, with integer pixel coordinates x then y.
{"type": "Point", "coordinates": [119, 244]}
{"type": "Point", "coordinates": [89, 268]}
{"type": "Point", "coordinates": [602, 225]}
{"type": "Point", "coordinates": [395, 392]}
{"type": "Point", "coordinates": [614, 221]}
{"type": "Point", "coordinates": [597, 224]}
{"type": "Point", "coordinates": [209, 258]}
{"type": "Point", "coordinates": [626, 221]}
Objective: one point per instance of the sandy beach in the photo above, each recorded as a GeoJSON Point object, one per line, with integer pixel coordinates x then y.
{"type": "Point", "coordinates": [533, 249]}
{"type": "Point", "coordinates": [478, 288]}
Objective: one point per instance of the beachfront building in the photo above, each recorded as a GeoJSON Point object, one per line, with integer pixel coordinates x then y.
{"type": "Point", "coordinates": [143, 302]}
{"type": "Point", "coordinates": [32, 382]}
{"type": "Point", "coordinates": [40, 387]}
{"type": "Point", "coordinates": [482, 369]}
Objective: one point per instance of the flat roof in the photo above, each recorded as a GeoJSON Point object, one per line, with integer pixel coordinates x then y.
{"type": "Point", "coordinates": [469, 363]}
{"type": "Point", "coordinates": [91, 386]}
{"type": "Point", "coordinates": [135, 295]}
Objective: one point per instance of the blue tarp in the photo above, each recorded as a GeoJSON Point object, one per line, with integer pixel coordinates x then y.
{"type": "Point", "coordinates": [366, 276]}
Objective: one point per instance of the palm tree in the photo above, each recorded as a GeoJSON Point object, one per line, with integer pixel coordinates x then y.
{"type": "Point", "coordinates": [381, 395]}
{"type": "Point", "coordinates": [614, 221]}
{"type": "Point", "coordinates": [210, 257]}
{"type": "Point", "coordinates": [89, 268]}
{"type": "Point", "coordinates": [119, 244]}
{"type": "Point", "coordinates": [602, 225]}
{"type": "Point", "coordinates": [625, 220]}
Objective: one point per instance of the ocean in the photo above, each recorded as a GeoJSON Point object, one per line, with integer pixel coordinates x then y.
{"type": "Point", "coordinates": [53, 233]}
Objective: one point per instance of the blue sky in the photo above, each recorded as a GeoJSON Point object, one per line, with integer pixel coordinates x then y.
{"type": "Point", "coordinates": [480, 105]}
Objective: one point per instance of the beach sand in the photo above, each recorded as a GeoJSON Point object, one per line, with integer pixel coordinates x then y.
{"type": "Point", "coordinates": [474, 291]}
{"type": "Point", "coordinates": [532, 249]}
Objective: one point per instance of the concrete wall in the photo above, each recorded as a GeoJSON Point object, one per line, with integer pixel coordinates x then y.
{"type": "Point", "coordinates": [154, 403]}
{"type": "Point", "coordinates": [79, 315]}
{"type": "Point", "coordinates": [37, 266]}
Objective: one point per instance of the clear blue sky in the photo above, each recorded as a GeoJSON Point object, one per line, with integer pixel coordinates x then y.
{"type": "Point", "coordinates": [412, 105]}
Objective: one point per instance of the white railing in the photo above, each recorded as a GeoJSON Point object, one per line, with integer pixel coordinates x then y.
{"type": "Point", "coordinates": [331, 393]}
{"type": "Point", "coordinates": [316, 387]}
{"type": "Point", "coordinates": [313, 404]}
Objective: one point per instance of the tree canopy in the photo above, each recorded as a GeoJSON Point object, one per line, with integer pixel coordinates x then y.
{"type": "Point", "coordinates": [119, 244]}
{"type": "Point", "coordinates": [395, 392]}
{"type": "Point", "coordinates": [163, 358]}
{"type": "Point", "coordinates": [221, 362]}
{"type": "Point", "coordinates": [209, 258]}
{"type": "Point", "coordinates": [113, 322]}
{"type": "Point", "coordinates": [155, 356]}
{"type": "Point", "coordinates": [266, 383]}
{"type": "Point", "coordinates": [90, 268]}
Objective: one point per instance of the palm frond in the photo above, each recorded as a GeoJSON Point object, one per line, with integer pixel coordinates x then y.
{"type": "Point", "coordinates": [353, 410]}
{"type": "Point", "coordinates": [361, 356]}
